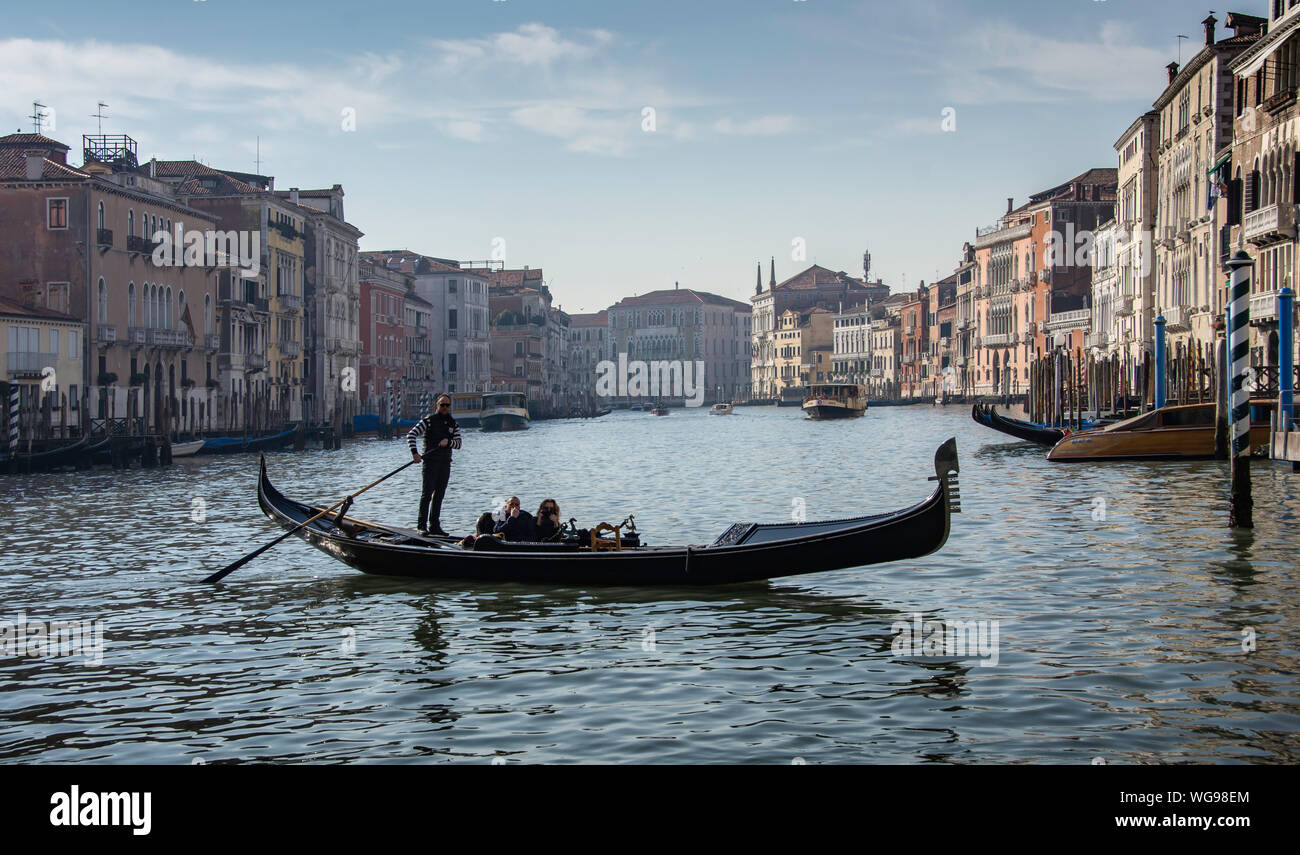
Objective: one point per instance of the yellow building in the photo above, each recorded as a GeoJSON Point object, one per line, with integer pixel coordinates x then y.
{"type": "Point", "coordinates": [284, 228]}
{"type": "Point", "coordinates": [43, 358]}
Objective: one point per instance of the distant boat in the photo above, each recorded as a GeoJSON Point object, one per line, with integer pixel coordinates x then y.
{"type": "Point", "coordinates": [465, 408]}
{"type": "Point", "coordinates": [720, 409]}
{"type": "Point", "coordinates": [503, 411]}
{"type": "Point", "coordinates": [1180, 433]}
{"type": "Point", "coordinates": [835, 401]}
{"type": "Point", "coordinates": [791, 396]}
{"type": "Point", "coordinates": [659, 410]}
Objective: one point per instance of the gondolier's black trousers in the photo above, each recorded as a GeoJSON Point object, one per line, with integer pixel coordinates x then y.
{"type": "Point", "coordinates": [432, 488]}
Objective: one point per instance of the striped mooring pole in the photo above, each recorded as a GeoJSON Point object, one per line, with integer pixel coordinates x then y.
{"type": "Point", "coordinates": [1162, 358]}
{"type": "Point", "coordinates": [401, 410]}
{"type": "Point", "coordinates": [1241, 507]}
{"type": "Point", "coordinates": [1286, 357]}
{"type": "Point", "coordinates": [13, 419]}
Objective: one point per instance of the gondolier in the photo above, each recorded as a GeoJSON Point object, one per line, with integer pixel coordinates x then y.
{"type": "Point", "coordinates": [441, 434]}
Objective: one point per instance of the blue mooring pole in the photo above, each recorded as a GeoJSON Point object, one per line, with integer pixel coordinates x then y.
{"type": "Point", "coordinates": [1241, 507]}
{"type": "Point", "coordinates": [1161, 358]}
{"type": "Point", "coordinates": [1286, 357]}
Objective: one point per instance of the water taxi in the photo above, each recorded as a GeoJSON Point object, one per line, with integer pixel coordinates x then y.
{"type": "Point", "coordinates": [1179, 432]}
{"type": "Point", "coordinates": [503, 411]}
{"type": "Point", "coordinates": [835, 401]}
{"type": "Point", "coordinates": [465, 408]}
{"type": "Point", "coordinates": [722, 408]}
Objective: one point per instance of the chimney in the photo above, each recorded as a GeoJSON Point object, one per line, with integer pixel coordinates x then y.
{"type": "Point", "coordinates": [676, 285]}
{"type": "Point", "coordinates": [1009, 201]}
{"type": "Point", "coordinates": [35, 165]}
{"type": "Point", "coordinates": [1209, 23]}
{"type": "Point", "coordinates": [153, 167]}
{"type": "Point", "coordinates": [293, 195]}
{"type": "Point", "coordinates": [772, 283]}
{"type": "Point", "coordinates": [1173, 71]}
{"type": "Point", "coordinates": [758, 288]}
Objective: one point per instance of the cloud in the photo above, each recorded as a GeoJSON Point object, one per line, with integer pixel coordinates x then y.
{"type": "Point", "coordinates": [1000, 62]}
{"type": "Point", "coordinates": [760, 126]}
{"type": "Point", "coordinates": [529, 45]}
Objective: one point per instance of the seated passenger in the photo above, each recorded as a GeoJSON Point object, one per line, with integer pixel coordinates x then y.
{"type": "Point", "coordinates": [485, 524]}
{"type": "Point", "coordinates": [548, 520]}
{"type": "Point", "coordinates": [518, 526]}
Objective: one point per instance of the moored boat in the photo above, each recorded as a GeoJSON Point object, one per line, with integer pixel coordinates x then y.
{"type": "Point", "coordinates": [240, 444]}
{"type": "Point", "coordinates": [54, 458]}
{"type": "Point", "coordinates": [1178, 432]}
{"type": "Point", "coordinates": [186, 449]}
{"type": "Point", "coordinates": [835, 401]}
{"type": "Point", "coordinates": [503, 411]}
{"type": "Point", "coordinates": [744, 552]}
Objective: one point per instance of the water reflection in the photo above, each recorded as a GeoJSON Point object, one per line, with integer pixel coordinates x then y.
{"type": "Point", "coordinates": [1122, 619]}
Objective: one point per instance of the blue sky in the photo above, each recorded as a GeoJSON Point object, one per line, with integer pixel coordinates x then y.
{"type": "Point", "coordinates": [477, 120]}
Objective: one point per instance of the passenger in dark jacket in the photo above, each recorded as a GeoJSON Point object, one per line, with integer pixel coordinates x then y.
{"type": "Point", "coordinates": [548, 520]}
{"type": "Point", "coordinates": [518, 525]}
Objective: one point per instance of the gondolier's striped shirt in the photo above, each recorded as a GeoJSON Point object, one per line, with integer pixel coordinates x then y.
{"type": "Point", "coordinates": [435, 429]}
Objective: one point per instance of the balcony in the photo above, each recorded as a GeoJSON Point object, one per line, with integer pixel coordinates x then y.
{"type": "Point", "coordinates": [290, 302]}
{"type": "Point", "coordinates": [135, 243]}
{"type": "Point", "coordinates": [961, 360]}
{"type": "Point", "coordinates": [1177, 318]}
{"type": "Point", "coordinates": [909, 330]}
{"type": "Point", "coordinates": [998, 340]}
{"type": "Point", "coordinates": [104, 238]}
{"type": "Point", "coordinates": [254, 362]}
{"type": "Point", "coordinates": [1279, 101]}
{"type": "Point", "coordinates": [1098, 339]}
{"type": "Point", "coordinates": [212, 342]}
{"type": "Point", "coordinates": [1270, 225]}
{"type": "Point", "coordinates": [1263, 307]}
{"type": "Point", "coordinates": [1031, 329]}
{"type": "Point", "coordinates": [105, 334]}
{"type": "Point", "coordinates": [1072, 320]}
{"type": "Point", "coordinates": [342, 345]}
{"type": "Point", "coordinates": [290, 349]}
{"type": "Point", "coordinates": [168, 338]}
{"type": "Point", "coordinates": [1123, 307]}
{"type": "Point", "coordinates": [137, 336]}
{"type": "Point", "coordinates": [24, 363]}
{"type": "Point", "coordinates": [989, 235]}
{"type": "Point", "coordinates": [877, 372]}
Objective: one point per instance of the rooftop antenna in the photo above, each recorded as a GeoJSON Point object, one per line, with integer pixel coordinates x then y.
{"type": "Point", "coordinates": [37, 116]}
{"type": "Point", "coordinates": [257, 163]}
{"type": "Point", "coordinates": [100, 116]}
{"type": "Point", "coordinates": [1180, 50]}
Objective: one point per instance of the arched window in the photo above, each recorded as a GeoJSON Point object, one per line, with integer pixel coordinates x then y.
{"type": "Point", "coordinates": [130, 304]}
{"type": "Point", "coordinates": [101, 215]}
{"type": "Point", "coordinates": [130, 223]}
{"type": "Point", "coordinates": [103, 301]}
{"type": "Point", "coordinates": [207, 314]}
{"type": "Point", "coordinates": [168, 319]}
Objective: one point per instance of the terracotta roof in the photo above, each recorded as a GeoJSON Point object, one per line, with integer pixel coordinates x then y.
{"type": "Point", "coordinates": [591, 319]}
{"type": "Point", "coordinates": [413, 262]}
{"type": "Point", "coordinates": [193, 175]}
{"type": "Point", "coordinates": [530, 277]}
{"type": "Point", "coordinates": [13, 166]}
{"type": "Point", "coordinates": [818, 276]}
{"type": "Point", "coordinates": [1107, 177]}
{"type": "Point", "coordinates": [13, 307]}
{"type": "Point", "coordinates": [31, 141]}
{"type": "Point", "coordinates": [681, 295]}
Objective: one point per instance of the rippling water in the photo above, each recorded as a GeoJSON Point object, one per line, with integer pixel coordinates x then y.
{"type": "Point", "coordinates": [1122, 603]}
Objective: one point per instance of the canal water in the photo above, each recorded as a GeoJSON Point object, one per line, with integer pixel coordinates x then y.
{"type": "Point", "coordinates": [1131, 624]}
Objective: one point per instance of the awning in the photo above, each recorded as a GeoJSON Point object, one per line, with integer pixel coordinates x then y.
{"type": "Point", "coordinates": [1218, 164]}
{"type": "Point", "coordinates": [1258, 62]}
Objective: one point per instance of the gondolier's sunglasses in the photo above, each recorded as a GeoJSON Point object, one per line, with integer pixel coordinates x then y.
{"type": "Point", "coordinates": [442, 404]}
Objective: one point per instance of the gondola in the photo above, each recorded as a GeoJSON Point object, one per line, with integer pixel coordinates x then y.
{"type": "Point", "coordinates": [745, 552]}
{"type": "Point", "coordinates": [42, 461]}
{"type": "Point", "coordinates": [1028, 431]}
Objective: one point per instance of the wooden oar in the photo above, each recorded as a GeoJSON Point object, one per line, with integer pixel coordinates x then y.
{"type": "Point", "coordinates": [227, 570]}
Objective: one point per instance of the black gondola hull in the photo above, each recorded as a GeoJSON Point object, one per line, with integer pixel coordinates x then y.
{"type": "Point", "coordinates": [1015, 427]}
{"type": "Point", "coordinates": [762, 552]}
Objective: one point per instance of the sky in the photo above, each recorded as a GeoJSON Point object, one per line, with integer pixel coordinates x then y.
{"type": "Point", "coordinates": [622, 145]}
